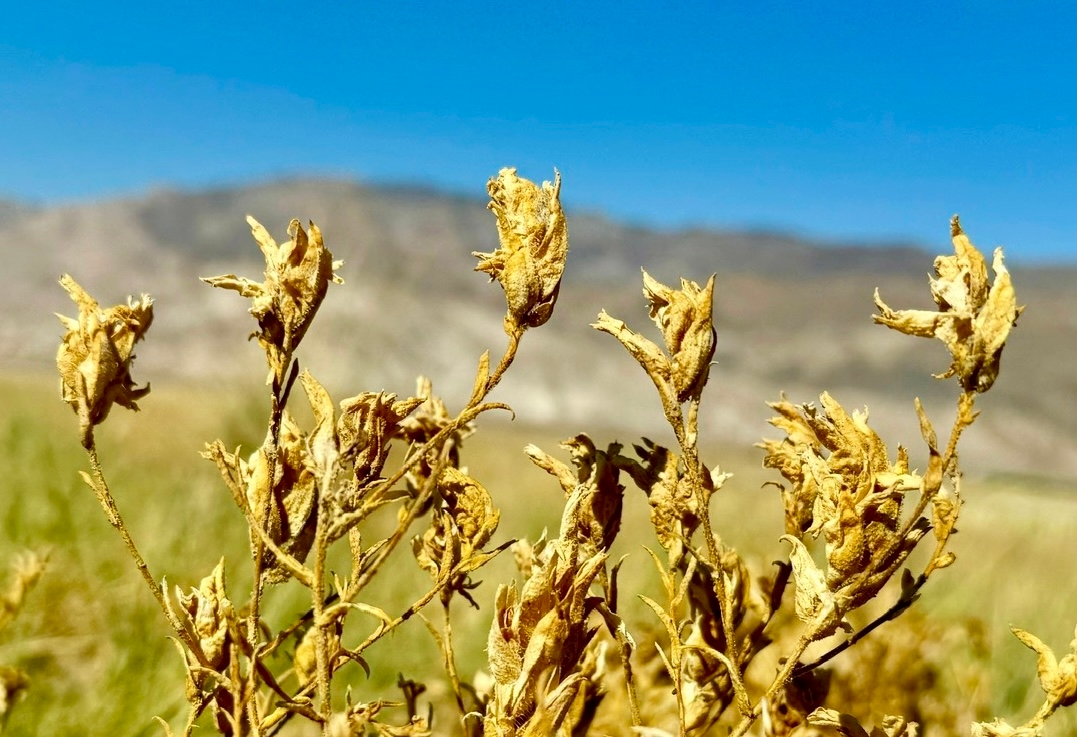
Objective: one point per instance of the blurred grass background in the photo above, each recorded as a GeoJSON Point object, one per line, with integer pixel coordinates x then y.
{"type": "Point", "coordinates": [97, 650]}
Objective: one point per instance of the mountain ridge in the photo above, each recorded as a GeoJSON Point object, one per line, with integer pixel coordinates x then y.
{"type": "Point", "coordinates": [791, 315]}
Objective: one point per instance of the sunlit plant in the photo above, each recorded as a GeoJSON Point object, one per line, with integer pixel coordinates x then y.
{"type": "Point", "coordinates": [561, 657]}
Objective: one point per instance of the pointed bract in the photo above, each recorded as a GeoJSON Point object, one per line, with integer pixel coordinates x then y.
{"type": "Point", "coordinates": [974, 318]}
{"type": "Point", "coordinates": [1057, 677]}
{"type": "Point", "coordinates": [297, 275]}
{"type": "Point", "coordinates": [95, 355]}
{"type": "Point", "coordinates": [534, 246]}
{"type": "Point", "coordinates": [685, 318]}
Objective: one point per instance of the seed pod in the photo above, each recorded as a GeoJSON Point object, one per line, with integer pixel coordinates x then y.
{"type": "Point", "coordinates": [684, 317]}
{"type": "Point", "coordinates": [297, 275]}
{"type": "Point", "coordinates": [95, 355]}
{"type": "Point", "coordinates": [209, 612]}
{"type": "Point", "coordinates": [534, 245]}
{"type": "Point", "coordinates": [974, 317]}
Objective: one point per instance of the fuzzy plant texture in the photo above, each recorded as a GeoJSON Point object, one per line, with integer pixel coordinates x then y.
{"type": "Point", "coordinates": [728, 649]}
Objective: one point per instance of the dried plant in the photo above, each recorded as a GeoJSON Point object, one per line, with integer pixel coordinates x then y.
{"type": "Point", "coordinates": [26, 570]}
{"type": "Point", "coordinates": [727, 652]}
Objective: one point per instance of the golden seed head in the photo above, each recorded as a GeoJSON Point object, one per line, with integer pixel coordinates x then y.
{"type": "Point", "coordinates": [684, 317]}
{"type": "Point", "coordinates": [462, 526]}
{"type": "Point", "coordinates": [367, 424]}
{"type": "Point", "coordinates": [297, 275]}
{"type": "Point", "coordinates": [209, 611]}
{"type": "Point", "coordinates": [844, 487]}
{"type": "Point", "coordinates": [974, 316]}
{"type": "Point", "coordinates": [534, 245]}
{"type": "Point", "coordinates": [95, 355]}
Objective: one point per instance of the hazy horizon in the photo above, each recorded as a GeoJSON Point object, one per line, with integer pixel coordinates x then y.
{"type": "Point", "coordinates": [821, 239]}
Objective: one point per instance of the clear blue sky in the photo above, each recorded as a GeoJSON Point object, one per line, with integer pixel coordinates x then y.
{"type": "Point", "coordinates": [834, 120]}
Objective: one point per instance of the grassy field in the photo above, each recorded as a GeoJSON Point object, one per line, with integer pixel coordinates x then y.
{"type": "Point", "coordinates": [96, 647]}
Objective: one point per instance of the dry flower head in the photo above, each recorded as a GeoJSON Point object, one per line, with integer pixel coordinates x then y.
{"type": "Point", "coordinates": [844, 487]}
{"type": "Point", "coordinates": [534, 245]}
{"type": "Point", "coordinates": [974, 316]}
{"type": "Point", "coordinates": [685, 320]}
{"type": "Point", "coordinates": [95, 355]}
{"type": "Point", "coordinates": [297, 275]}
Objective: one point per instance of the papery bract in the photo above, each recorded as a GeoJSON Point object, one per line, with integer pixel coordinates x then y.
{"type": "Point", "coordinates": [95, 355]}
{"type": "Point", "coordinates": [974, 317]}
{"type": "Point", "coordinates": [534, 245]}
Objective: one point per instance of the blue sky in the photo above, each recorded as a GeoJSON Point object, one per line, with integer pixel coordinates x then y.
{"type": "Point", "coordinates": [839, 120]}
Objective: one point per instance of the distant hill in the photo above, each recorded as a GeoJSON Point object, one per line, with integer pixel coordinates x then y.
{"type": "Point", "coordinates": [603, 250]}
{"type": "Point", "coordinates": [791, 314]}
{"type": "Point", "coordinates": [12, 210]}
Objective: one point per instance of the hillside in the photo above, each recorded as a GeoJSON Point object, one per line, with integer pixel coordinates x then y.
{"type": "Point", "coordinates": [791, 315]}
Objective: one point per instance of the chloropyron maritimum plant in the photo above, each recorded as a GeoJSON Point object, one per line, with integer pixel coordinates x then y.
{"type": "Point", "coordinates": [729, 650]}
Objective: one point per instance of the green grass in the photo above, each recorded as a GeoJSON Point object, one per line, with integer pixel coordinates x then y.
{"type": "Point", "coordinates": [96, 646]}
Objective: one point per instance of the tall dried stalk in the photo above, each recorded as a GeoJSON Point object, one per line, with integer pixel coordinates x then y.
{"type": "Point", "coordinates": [306, 490]}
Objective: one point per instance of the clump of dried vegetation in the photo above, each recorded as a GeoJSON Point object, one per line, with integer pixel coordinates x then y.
{"type": "Point", "coordinates": [729, 652]}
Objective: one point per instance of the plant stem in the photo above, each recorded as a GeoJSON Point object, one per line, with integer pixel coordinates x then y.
{"type": "Point", "coordinates": [112, 512]}
{"type": "Point", "coordinates": [779, 682]}
{"type": "Point", "coordinates": [892, 613]}
{"type": "Point", "coordinates": [503, 365]}
{"type": "Point", "coordinates": [321, 643]}
{"type": "Point", "coordinates": [450, 659]}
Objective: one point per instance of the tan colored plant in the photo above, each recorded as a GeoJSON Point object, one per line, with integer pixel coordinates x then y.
{"type": "Point", "coordinates": [561, 657]}
{"type": "Point", "coordinates": [26, 570]}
